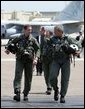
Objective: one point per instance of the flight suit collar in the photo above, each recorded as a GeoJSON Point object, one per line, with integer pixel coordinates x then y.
{"type": "Point", "coordinates": [29, 38]}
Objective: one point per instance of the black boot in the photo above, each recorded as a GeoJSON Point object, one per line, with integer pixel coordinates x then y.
{"type": "Point", "coordinates": [48, 92]}
{"type": "Point", "coordinates": [62, 99]}
{"type": "Point", "coordinates": [17, 97]}
{"type": "Point", "coordinates": [25, 98]}
{"type": "Point", "coordinates": [56, 95]}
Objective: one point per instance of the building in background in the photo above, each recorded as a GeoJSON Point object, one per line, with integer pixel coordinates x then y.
{"type": "Point", "coordinates": [28, 16]}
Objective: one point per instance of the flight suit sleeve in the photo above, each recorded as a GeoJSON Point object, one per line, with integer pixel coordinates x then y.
{"type": "Point", "coordinates": [15, 40]}
{"type": "Point", "coordinates": [36, 48]}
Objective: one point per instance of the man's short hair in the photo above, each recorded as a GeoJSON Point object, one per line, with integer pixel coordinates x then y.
{"type": "Point", "coordinates": [59, 27]}
{"type": "Point", "coordinates": [42, 28]}
{"type": "Point", "coordinates": [26, 26]}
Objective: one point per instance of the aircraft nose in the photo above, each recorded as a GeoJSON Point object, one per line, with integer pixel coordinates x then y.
{"type": "Point", "coordinates": [11, 31]}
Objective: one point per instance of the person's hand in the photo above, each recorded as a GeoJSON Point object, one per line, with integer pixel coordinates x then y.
{"type": "Point", "coordinates": [77, 53]}
{"type": "Point", "coordinates": [35, 61]}
{"type": "Point", "coordinates": [7, 52]}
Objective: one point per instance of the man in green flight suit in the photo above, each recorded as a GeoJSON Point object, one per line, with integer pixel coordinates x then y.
{"type": "Point", "coordinates": [26, 55]}
{"type": "Point", "coordinates": [61, 60]}
{"type": "Point", "coordinates": [46, 60]}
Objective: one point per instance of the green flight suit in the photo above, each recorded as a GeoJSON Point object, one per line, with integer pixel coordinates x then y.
{"type": "Point", "coordinates": [61, 61]}
{"type": "Point", "coordinates": [24, 63]}
{"type": "Point", "coordinates": [46, 61]}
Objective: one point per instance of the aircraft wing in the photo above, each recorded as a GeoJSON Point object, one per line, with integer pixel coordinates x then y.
{"type": "Point", "coordinates": [51, 23]}
{"type": "Point", "coordinates": [48, 23]}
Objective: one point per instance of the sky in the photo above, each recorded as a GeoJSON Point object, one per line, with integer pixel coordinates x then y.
{"type": "Point", "coordinates": [33, 5]}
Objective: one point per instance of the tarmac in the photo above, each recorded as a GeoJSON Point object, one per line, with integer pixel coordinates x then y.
{"type": "Point", "coordinates": [37, 95]}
